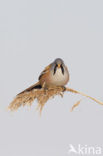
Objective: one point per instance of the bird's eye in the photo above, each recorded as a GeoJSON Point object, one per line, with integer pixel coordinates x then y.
{"type": "Point", "coordinates": [62, 69]}
{"type": "Point", "coordinates": [55, 68]}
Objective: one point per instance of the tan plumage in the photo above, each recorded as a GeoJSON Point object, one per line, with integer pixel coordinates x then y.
{"type": "Point", "coordinates": [51, 82]}
{"type": "Point", "coordinates": [55, 74]}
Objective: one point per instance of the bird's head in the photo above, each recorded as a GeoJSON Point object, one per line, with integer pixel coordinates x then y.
{"type": "Point", "coordinates": [58, 62]}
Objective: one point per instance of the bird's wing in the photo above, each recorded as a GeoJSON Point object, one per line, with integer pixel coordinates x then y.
{"type": "Point", "coordinates": [46, 70]}
{"type": "Point", "coordinates": [35, 86]}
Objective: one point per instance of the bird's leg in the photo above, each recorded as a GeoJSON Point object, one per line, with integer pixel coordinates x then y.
{"type": "Point", "coordinates": [64, 88]}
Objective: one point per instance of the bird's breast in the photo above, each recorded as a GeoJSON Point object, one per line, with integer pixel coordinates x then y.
{"type": "Point", "coordinates": [59, 78]}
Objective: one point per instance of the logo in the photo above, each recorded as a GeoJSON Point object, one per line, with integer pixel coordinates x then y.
{"type": "Point", "coordinates": [84, 150]}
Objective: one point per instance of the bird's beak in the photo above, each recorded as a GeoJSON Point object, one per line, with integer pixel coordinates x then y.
{"type": "Point", "coordinates": [58, 65]}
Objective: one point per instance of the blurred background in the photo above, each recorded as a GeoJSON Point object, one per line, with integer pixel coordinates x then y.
{"type": "Point", "coordinates": [32, 34]}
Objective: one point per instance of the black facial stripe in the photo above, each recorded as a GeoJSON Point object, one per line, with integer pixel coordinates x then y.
{"type": "Point", "coordinates": [55, 68]}
{"type": "Point", "coordinates": [62, 69]}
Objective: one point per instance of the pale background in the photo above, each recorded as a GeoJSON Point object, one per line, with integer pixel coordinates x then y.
{"type": "Point", "coordinates": [32, 34]}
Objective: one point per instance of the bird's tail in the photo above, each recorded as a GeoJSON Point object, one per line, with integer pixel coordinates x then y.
{"type": "Point", "coordinates": [35, 86]}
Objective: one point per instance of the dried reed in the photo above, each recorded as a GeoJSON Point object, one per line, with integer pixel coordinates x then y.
{"type": "Point", "coordinates": [42, 96]}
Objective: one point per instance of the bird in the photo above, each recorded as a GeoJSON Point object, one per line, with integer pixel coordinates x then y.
{"type": "Point", "coordinates": [54, 75]}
